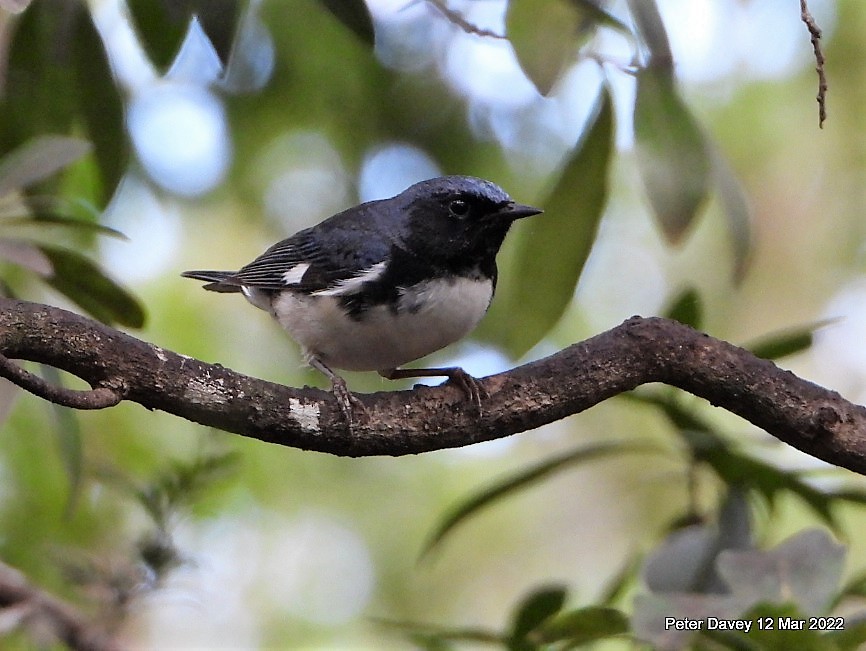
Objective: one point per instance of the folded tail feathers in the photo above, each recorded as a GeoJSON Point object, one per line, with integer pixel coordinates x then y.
{"type": "Point", "coordinates": [217, 281]}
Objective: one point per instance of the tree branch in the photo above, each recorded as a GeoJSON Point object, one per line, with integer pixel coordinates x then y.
{"type": "Point", "coordinates": [818, 421]}
{"type": "Point", "coordinates": [815, 38]}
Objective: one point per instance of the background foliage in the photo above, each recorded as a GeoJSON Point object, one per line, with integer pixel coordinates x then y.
{"type": "Point", "coordinates": [671, 187]}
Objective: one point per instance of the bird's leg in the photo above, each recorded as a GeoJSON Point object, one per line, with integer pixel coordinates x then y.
{"type": "Point", "coordinates": [468, 384]}
{"type": "Point", "coordinates": [345, 398]}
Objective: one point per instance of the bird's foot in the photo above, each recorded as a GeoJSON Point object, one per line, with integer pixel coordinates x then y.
{"type": "Point", "coordinates": [469, 385]}
{"type": "Point", "coordinates": [456, 376]}
{"type": "Point", "coordinates": [347, 400]}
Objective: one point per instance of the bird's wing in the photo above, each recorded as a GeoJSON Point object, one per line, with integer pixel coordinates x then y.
{"type": "Point", "coordinates": [330, 261]}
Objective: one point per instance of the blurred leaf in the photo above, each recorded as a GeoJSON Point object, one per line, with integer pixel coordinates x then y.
{"type": "Point", "coordinates": [617, 586]}
{"type": "Point", "coordinates": [735, 520]}
{"type": "Point", "coordinates": [855, 587]}
{"type": "Point", "coordinates": [547, 35]}
{"type": "Point", "coordinates": [101, 112]}
{"type": "Point", "coordinates": [738, 469]}
{"type": "Point", "coordinates": [554, 246]}
{"type": "Point", "coordinates": [736, 208]}
{"type": "Point", "coordinates": [652, 33]}
{"type": "Point", "coordinates": [852, 637]}
{"type": "Point", "coordinates": [788, 341]}
{"type": "Point", "coordinates": [26, 255]}
{"type": "Point", "coordinates": [671, 152]}
{"type": "Point", "coordinates": [583, 626]}
{"type": "Point", "coordinates": [162, 25]}
{"type": "Point", "coordinates": [86, 284]}
{"type": "Point", "coordinates": [14, 6]}
{"type": "Point", "coordinates": [437, 637]}
{"type": "Point", "coordinates": [593, 12]}
{"type": "Point", "coordinates": [68, 435]}
{"type": "Point", "coordinates": [59, 81]}
{"type": "Point", "coordinates": [46, 221]}
{"type": "Point", "coordinates": [39, 159]}
{"type": "Point", "coordinates": [546, 38]}
{"type": "Point", "coordinates": [686, 308]}
{"type": "Point", "coordinates": [527, 477]}
{"type": "Point", "coordinates": [652, 610]}
{"type": "Point", "coordinates": [534, 610]}
{"type": "Point", "coordinates": [686, 559]}
{"type": "Point", "coordinates": [684, 562]}
{"type": "Point", "coordinates": [773, 638]}
{"type": "Point", "coordinates": [252, 60]}
{"type": "Point", "coordinates": [805, 569]}
{"type": "Point", "coordinates": [355, 15]}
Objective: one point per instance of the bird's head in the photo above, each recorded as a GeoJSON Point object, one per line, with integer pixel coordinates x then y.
{"type": "Point", "coordinates": [460, 215]}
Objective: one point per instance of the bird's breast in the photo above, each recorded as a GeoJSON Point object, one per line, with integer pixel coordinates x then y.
{"type": "Point", "coordinates": [427, 316]}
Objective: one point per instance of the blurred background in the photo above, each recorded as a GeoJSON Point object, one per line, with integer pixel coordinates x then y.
{"type": "Point", "coordinates": [214, 138]}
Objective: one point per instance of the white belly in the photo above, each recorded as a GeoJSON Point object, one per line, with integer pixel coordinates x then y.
{"type": "Point", "coordinates": [433, 315]}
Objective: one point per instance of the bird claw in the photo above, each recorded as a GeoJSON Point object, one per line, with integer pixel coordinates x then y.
{"type": "Point", "coordinates": [469, 385]}
{"type": "Point", "coordinates": [346, 400]}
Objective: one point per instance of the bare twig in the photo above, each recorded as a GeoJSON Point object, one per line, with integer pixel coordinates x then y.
{"type": "Point", "coordinates": [456, 18]}
{"type": "Point", "coordinates": [98, 398]}
{"type": "Point", "coordinates": [815, 37]}
{"type": "Point", "coordinates": [67, 623]}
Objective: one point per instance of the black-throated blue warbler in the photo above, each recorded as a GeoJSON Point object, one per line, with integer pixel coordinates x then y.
{"type": "Point", "coordinates": [386, 282]}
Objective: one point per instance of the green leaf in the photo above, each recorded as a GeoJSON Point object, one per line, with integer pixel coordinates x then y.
{"type": "Point", "coordinates": [536, 609]}
{"type": "Point", "coordinates": [738, 212]}
{"type": "Point", "coordinates": [652, 33]}
{"type": "Point", "coordinates": [163, 25]}
{"type": "Point", "coordinates": [584, 625]}
{"type": "Point", "coordinates": [100, 110]}
{"type": "Point", "coordinates": [25, 255]}
{"type": "Point", "coordinates": [355, 15]}
{"type": "Point", "coordinates": [545, 38]}
{"type": "Point", "coordinates": [58, 81]}
{"type": "Point", "coordinates": [431, 636]}
{"type": "Point", "coordinates": [594, 14]}
{"type": "Point", "coordinates": [772, 637]}
{"type": "Point", "coordinates": [87, 285]}
{"type": "Point", "coordinates": [671, 152]}
{"type": "Point", "coordinates": [617, 586]}
{"type": "Point", "coordinates": [552, 248]}
{"type": "Point", "coordinates": [39, 159]}
{"type": "Point", "coordinates": [686, 308]}
{"type": "Point", "coordinates": [160, 29]}
{"type": "Point", "coordinates": [67, 432]}
{"type": "Point", "coordinates": [525, 478]}
{"type": "Point", "coordinates": [788, 341]}
{"type": "Point", "coordinates": [852, 637]}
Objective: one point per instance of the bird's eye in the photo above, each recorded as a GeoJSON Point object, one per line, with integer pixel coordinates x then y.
{"type": "Point", "coordinates": [459, 208]}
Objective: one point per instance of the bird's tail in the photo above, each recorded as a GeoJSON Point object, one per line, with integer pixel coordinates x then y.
{"type": "Point", "coordinates": [217, 281]}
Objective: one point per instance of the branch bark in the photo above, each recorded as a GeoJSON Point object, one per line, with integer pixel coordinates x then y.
{"type": "Point", "coordinates": [641, 350]}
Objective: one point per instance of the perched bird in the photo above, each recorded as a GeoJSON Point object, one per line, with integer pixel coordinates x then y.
{"type": "Point", "coordinates": [386, 282]}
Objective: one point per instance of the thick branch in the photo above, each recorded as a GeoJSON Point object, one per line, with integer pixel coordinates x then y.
{"type": "Point", "coordinates": [640, 351]}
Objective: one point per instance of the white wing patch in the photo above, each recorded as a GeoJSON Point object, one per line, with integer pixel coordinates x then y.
{"type": "Point", "coordinates": [354, 284]}
{"type": "Point", "coordinates": [295, 274]}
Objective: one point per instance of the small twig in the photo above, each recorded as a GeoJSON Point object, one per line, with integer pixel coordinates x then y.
{"type": "Point", "coordinates": [456, 18]}
{"type": "Point", "coordinates": [98, 398]}
{"type": "Point", "coordinates": [68, 624]}
{"type": "Point", "coordinates": [815, 37]}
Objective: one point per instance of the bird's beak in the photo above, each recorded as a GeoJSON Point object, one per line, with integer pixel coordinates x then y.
{"type": "Point", "coordinates": [514, 211]}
